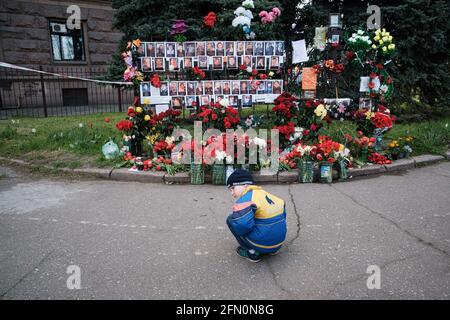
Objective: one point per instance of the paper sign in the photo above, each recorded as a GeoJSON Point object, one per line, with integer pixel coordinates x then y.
{"type": "Point", "coordinates": [299, 54]}
{"type": "Point", "coordinates": [320, 40]}
{"type": "Point", "coordinates": [309, 79]}
{"type": "Point", "coordinates": [161, 108]}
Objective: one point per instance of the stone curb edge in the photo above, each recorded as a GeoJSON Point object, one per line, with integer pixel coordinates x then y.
{"type": "Point", "coordinates": [122, 174]}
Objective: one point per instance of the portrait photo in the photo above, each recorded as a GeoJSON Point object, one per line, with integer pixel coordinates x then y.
{"type": "Point", "coordinates": [203, 62]}
{"type": "Point", "coordinates": [177, 102]}
{"type": "Point", "coordinates": [244, 87]}
{"type": "Point", "coordinates": [189, 49]}
{"type": "Point", "coordinates": [170, 50]}
{"type": "Point", "coordinates": [229, 45]}
{"type": "Point", "coordinates": [191, 88]}
{"type": "Point", "coordinates": [163, 89]}
{"type": "Point", "coordinates": [261, 88]}
{"type": "Point", "coordinates": [220, 49]}
{"type": "Point", "coordinates": [146, 89]}
{"type": "Point", "coordinates": [160, 50]}
{"type": "Point", "coordinates": [259, 48]}
{"type": "Point", "coordinates": [226, 87]}
{"type": "Point", "coordinates": [269, 87]}
{"type": "Point", "coordinates": [146, 64]}
{"type": "Point", "coordinates": [190, 102]}
{"type": "Point", "coordinates": [247, 100]}
{"type": "Point", "coordinates": [274, 62]}
{"type": "Point", "coordinates": [173, 64]}
{"type": "Point", "coordinates": [217, 87]}
{"type": "Point", "coordinates": [247, 60]}
{"type": "Point", "coordinates": [160, 64]}
{"type": "Point", "coordinates": [210, 48]}
{"type": "Point", "coordinates": [235, 87]}
{"type": "Point", "coordinates": [240, 48]}
{"type": "Point", "coordinates": [208, 87]}
{"type": "Point", "coordinates": [200, 49]}
{"type": "Point", "coordinates": [234, 102]}
{"type": "Point", "coordinates": [182, 88]}
{"type": "Point", "coordinates": [252, 87]}
{"type": "Point", "coordinates": [217, 63]}
{"type": "Point", "coordinates": [269, 48]}
{"type": "Point", "coordinates": [187, 63]}
{"type": "Point", "coordinates": [249, 48]}
{"type": "Point", "coordinates": [173, 89]}
{"type": "Point", "coordinates": [279, 48]}
{"type": "Point", "coordinates": [232, 63]}
{"type": "Point", "coordinates": [218, 98]}
{"type": "Point", "coordinates": [180, 50]}
{"type": "Point", "coordinates": [205, 100]}
{"type": "Point", "coordinates": [199, 88]}
{"type": "Point", "coordinates": [276, 89]}
{"type": "Point", "coordinates": [151, 49]}
{"type": "Point", "coordinates": [260, 63]}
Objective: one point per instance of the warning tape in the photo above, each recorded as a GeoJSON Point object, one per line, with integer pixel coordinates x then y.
{"type": "Point", "coordinates": [13, 66]}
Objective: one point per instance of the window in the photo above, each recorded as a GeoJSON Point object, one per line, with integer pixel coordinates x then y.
{"type": "Point", "coordinates": [67, 45]}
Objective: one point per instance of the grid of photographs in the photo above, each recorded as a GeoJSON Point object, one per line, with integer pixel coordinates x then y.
{"type": "Point", "coordinates": [219, 55]}
{"type": "Point", "coordinates": [185, 93]}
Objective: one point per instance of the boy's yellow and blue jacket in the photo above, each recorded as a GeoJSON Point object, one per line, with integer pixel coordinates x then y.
{"type": "Point", "coordinates": [260, 218]}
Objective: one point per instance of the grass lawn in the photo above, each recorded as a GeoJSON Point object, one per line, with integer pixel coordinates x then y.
{"type": "Point", "coordinates": [76, 141]}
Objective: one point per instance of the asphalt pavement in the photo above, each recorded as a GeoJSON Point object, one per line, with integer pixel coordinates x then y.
{"type": "Point", "coordinates": [131, 240]}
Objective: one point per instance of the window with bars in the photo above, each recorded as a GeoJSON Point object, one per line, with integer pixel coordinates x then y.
{"type": "Point", "coordinates": [67, 44]}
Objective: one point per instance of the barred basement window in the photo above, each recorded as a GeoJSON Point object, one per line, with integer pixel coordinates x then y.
{"type": "Point", "coordinates": [67, 44]}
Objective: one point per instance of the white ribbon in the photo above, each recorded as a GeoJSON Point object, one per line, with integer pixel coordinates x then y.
{"type": "Point", "coordinates": [13, 66]}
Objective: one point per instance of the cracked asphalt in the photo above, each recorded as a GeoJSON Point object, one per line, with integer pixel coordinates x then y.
{"type": "Point", "coordinates": [154, 241]}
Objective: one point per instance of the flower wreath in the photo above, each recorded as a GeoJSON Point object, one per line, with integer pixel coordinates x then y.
{"type": "Point", "coordinates": [386, 83]}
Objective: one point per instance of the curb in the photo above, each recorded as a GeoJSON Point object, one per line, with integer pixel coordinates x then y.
{"type": "Point", "coordinates": [286, 177]}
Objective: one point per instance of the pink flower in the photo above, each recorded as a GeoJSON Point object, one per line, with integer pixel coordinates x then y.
{"type": "Point", "coordinates": [276, 11]}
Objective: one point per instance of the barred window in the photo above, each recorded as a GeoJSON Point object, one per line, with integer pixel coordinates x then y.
{"type": "Point", "coordinates": [67, 44]}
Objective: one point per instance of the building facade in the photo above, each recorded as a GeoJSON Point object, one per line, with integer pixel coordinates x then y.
{"type": "Point", "coordinates": [43, 34]}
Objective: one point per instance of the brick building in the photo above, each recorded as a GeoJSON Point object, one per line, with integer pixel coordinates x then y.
{"type": "Point", "coordinates": [34, 34]}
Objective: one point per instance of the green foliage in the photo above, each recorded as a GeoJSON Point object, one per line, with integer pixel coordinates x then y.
{"type": "Point", "coordinates": [151, 20]}
{"type": "Point", "coordinates": [421, 31]}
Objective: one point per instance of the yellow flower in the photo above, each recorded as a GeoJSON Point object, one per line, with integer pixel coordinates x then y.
{"type": "Point", "coordinates": [139, 110]}
{"type": "Point", "coordinates": [147, 117]}
{"type": "Point", "coordinates": [392, 46]}
{"type": "Point", "coordinates": [378, 32]}
{"type": "Point", "coordinates": [271, 74]}
{"type": "Point", "coordinates": [320, 111]}
{"type": "Point", "coordinates": [384, 49]}
{"type": "Point", "coordinates": [369, 115]}
{"type": "Point", "coordinates": [381, 42]}
{"type": "Point", "coordinates": [376, 38]}
{"type": "Point", "coordinates": [374, 46]}
{"type": "Point", "coordinates": [341, 147]}
{"type": "Point", "coordinates": [385, 39]}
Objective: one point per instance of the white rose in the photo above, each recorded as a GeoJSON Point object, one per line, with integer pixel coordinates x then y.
{"type": "Point", "coordinates": [249, 69]}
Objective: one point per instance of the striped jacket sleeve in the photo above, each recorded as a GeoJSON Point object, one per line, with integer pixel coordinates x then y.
{"type": "Point", "coordinates": [242, 219]}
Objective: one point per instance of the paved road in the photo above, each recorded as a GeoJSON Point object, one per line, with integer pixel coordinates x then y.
{"type": "Point", "coordinates": [153, 241]}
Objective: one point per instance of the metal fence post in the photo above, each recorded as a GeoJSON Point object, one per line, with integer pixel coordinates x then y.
{"type": "Point", "coordinates": [44, 100]}
{"type": "Point", "coordinates": [120, 98]}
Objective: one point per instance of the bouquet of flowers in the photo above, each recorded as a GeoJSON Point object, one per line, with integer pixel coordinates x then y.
{"type": "Point", "coordinates": [220, 116]}
{"type": "Point", "coordinates": [383, 41]}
